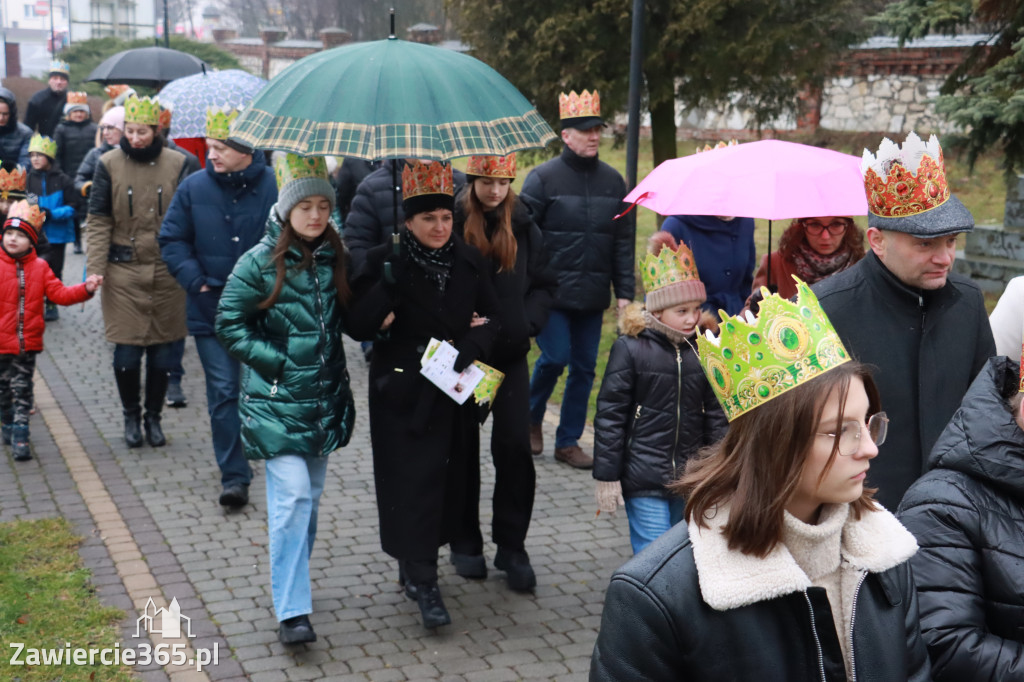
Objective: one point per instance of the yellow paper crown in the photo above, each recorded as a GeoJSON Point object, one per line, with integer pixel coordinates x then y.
{"type": "Point", "coordinates": [756, 359]}
{"type": "Point", "coordinates": [668, 267]}
{"type": "Point", "coordinates": [145, 110]}
{"type": "Point", "coordinates": [58, 66]}
{"type": "Point", "coordinates": [30, 213]}
{"type": "Point", "coordinates": [290, 167]}
{"type": "Point", "coordinates": [420, 178]}
{"type": "Point", "coordinates": [576, 106]}
{"type": "Point", "coordinates": [219, 120]}
{"type": "Point", "coordinates": [43, 145]}
{"type": "Point", "coordinates": [12, 181]}
{"type": "Point", "coordinates": [492, 166]}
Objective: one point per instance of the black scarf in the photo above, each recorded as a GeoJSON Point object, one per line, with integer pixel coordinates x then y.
{"type": "Point", "coordinates": [145, 154]}
{"type": "Point", "coordinates": [436, 263]}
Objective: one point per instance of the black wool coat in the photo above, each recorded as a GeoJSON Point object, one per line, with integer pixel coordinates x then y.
{"type": "Point", "coordinates": [967, 513]}
{"type": "Point", "coordinates": [74, 140]}
{"type": "Point", "coordinates": [420, 437]}
{"type": "Point", "coordinates": [926, 346]}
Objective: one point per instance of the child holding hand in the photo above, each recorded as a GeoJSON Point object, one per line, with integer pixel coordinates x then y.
{"type": "Point", "coordinates": [25, 279]}
{"type": "Point", "coordinates": [656, 407]}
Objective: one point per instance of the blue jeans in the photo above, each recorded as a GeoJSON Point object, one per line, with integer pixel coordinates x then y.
{"type": "Point", "coordinates": [649, 517]}
{"type": "Point", "coordinates": [569, 338]}
{"type": "Point", "coordinates": [159, 356]}
{"type": "Point", "coordinates": [294, 486]}
{"type": "Point", "coordinates": [222, 377]}
{"type": "Point", "coordinates": [176, 371]}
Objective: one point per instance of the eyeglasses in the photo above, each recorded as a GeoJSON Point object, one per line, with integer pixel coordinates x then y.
{"type": "Point", "coordinates": [849, 433]}
{"type": "Point", "coordinates": [104, 129]}
{"type": "Point", "coordinates": [835, 228]}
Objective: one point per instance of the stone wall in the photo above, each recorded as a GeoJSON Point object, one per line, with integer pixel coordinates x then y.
{"type": "Point", "coordinates": [891, 103]}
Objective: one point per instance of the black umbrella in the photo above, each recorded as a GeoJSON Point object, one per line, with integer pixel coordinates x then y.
{"type": "Point", "coordinates": [150, 66]}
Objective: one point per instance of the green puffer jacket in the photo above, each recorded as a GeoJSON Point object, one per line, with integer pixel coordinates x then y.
{"type": "Point", "coordinates": [295, 395]}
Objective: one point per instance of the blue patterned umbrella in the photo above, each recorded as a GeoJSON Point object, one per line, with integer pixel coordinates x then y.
{"type": "Point", "coordinates": [192, 95]}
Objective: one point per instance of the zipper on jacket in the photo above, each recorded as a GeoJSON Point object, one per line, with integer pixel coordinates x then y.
{"type": "Point", "coordinates": [679, 405]}
{"type": "Point", "coordinates": [853, 618]}
{"type": "Point", "coordinates": [632, 429]}
{"type": "Point", "coordinates": [160, 200]}
{"type": "Point", "coordinates": [817, 640]}
{"type": "Point", "coordinates": [924, 313]}
{"type": "Point", "coordinates": [131, 212]}
{"type": "Point", "coordinates": [21, 308]}
{"type": "Point", "coordinates": [323, 339]}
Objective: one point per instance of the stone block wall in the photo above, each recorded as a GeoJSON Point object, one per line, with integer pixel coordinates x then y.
{"type": "Point", "coordinates": [892, 103]}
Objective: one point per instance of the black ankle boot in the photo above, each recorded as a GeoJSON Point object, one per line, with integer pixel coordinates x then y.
{"type": "Point", "coordinates": [156, 389]}
{"type": "Point", "coordinates": [428, 597]}
{"type": "Point", "coordinates": [154, 434]}
{"type": "Point", "coordinates": [129, 386]}
{"type": "Point", "coordinates": [133, 428]}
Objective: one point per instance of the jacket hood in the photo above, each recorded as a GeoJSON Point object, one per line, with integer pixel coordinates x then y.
{"type": "Point", "coordinates": [631, 322]}
{"type": "Point", "coordinates": [982, 439]}
{"type": "Point", "coordinates": [709, 223]}
{"type": "Point", "coordinates": [12, 103]}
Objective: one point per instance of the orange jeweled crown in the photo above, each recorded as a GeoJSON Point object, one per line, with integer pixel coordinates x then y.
{"type": "Point", "coordinates": [905, 181]}
{"type": "Point", "coordinates": [721, 143]}
{"type": "Point", "coordinates": [114, 90]}
{"type": "Point", "coordinates": [30, 213]}
{"type": "Point", "coordinates": [78, 97]}
{"type": "Point", "coordinates": [576, 106]}
{"type": "Point", "coordinates": [420, 178]}
{"type": "Point", "coordinates": [11, 181]}
{"type": "Point", "coordinates": [492, 166]}
{"type": "Point", "coordinates": [166, 111]}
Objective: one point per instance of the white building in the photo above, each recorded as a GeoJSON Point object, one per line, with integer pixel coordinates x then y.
{"type": "Point", "coordinates": [33, 14]}
{"type": "Point", "coordinates": [125, 19]}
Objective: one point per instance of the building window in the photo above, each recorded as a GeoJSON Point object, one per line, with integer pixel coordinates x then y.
{"type": "Point", "coordinates": [30, 11]}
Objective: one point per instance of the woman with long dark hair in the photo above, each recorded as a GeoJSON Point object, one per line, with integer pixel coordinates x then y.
{"type": "Point", "coordinates": [786, 568]}
{"type": "Point", "coordinates": [281, 315]}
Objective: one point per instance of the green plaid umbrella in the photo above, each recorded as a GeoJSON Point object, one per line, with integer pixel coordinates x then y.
{"type": "Point", "coordinates": [391, 98]}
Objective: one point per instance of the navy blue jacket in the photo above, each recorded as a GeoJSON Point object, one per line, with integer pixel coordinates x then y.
{"type": "Point", "coordinates": [213, 219]}
{"type": "Point", "coordinates": [725, 255]}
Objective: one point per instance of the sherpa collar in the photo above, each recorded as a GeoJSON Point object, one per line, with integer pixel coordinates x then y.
{"type": "Point", "coordinates": [730, 579]}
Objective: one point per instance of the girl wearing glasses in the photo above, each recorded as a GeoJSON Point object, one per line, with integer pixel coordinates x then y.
{"type": "Point", "coordinates": [811, 249]}
{"type": "Point", "coordinates": [785, 567]}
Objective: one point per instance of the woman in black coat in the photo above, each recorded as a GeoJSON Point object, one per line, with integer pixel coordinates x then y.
{"type": "Point", "coordinates": [489, 216]}
{"type": "Point", "coordinates": [428, 285]}
{"type": "Point", "coordinates": [968, 515]}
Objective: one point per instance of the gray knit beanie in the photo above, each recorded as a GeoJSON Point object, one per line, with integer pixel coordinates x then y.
{"type": "Point", "coordinates": [298, 178]}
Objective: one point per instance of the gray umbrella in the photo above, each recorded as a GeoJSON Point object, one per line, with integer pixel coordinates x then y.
{"type": "Point", "coordinates": [150, 66]}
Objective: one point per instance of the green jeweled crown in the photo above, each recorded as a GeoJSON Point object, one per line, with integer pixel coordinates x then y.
{"type": "Point", "coordinates": [668, 267]}
{"type": "Point", "coordinates": [291, 167]}
{"type": "Point", "coordinates": [219, 120]}
{"type": "Point", "coordinates": [43, 145]}
{"type": "Point", "coordinates": [145, 110]}
{"type": "Point", "coordinates": [756, 359]}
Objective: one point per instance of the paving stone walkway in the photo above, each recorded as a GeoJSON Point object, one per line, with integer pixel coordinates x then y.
{"type": "Point", "coordinates": [153, 529]}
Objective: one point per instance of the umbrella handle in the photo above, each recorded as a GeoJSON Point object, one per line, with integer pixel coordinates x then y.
{"type": "Point", "coordinates": [633, 205]}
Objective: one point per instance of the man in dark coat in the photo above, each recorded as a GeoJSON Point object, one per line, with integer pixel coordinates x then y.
{"type": "Point", "coordinates": [216, 216]}
{"type": "Point", "coordinates": [46, 107]}
{"type": "Point", "coordinates": [350, 175]}
{"type": "Point", "coordinates": [903, 310]}
{"type": "Point", "coordinates": [14, 136]}
{"type": "Point", "coordinates": [574, 199]}
{"type": "Point", "coordinates": [967, 513]}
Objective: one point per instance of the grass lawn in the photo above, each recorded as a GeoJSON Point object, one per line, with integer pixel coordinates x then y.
{"type": "Point", "coordinates": [982, 191]}
{"type": "Point", "coordinates": [46, 602]}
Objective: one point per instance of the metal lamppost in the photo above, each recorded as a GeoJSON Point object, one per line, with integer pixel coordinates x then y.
{"type": "Point", "coordinates": [167, 29]}
{"type": "Point", "coordinates": [53, 43]}
{"type": "Point", "coordinates": [636, 59]}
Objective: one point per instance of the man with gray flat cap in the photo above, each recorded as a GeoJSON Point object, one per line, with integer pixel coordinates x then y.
{"type": "Point", "coordinates": [903, 310]}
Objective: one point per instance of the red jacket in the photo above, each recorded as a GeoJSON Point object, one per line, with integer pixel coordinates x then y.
{"type": "Point", "coordinates": [24, 284]}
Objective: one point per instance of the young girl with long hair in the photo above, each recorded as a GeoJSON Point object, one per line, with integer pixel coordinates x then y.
{"type": "Point", "coordinates": [281, 315]}
{"type": "Point", "coordinates": [786, 567]}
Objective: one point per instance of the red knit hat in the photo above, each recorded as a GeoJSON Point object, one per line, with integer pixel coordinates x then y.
{"type": "Point", "coordinates": [25, 217]}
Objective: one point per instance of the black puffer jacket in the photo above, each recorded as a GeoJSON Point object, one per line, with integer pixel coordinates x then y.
{"type": "Point", "coordinates": [525, 293]}
{"type": "Point", "coordinates": [655, 410]}
{"type": "Point", "coordinates": [968, 515]}
{"type": "Point", "coordinates": [87, 168]}
{"type": "Point", "coordinates": [371, 220]}
{"type": "Point", "coordinates": [14, 136]}
{"type": "Point", "coordinates": [74, 140]}
{"type": "Point", "coordinates": [574, 201]}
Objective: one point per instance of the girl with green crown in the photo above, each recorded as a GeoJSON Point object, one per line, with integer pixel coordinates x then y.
{"type": "Point", "coordinates": [786, 568]}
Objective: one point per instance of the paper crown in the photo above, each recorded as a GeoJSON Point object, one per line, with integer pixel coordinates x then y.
{"type": "Point", "coordinates": [668, 267]}
{"type": "Point", "coordinates": [30, 213]}
{"type": "Point", "coordinates": [145, 111]}
{"type": "Point", "coordinates": [904, 181]}
{"type": "Point", "coordinates": [43, 145]}
{"type": "Point", "coordinates": [78, 97]}
{"type": "Point", "coordinates": [114, 90]}
{"type": "Point", "coordinates": [60, 67]}
{"type": "Point", "coordinates": [12, 182]}
{"type": "Point", "coordinates": [290, 167]}
{"type": "Point", "coordinates": [219, 120]}
{"type": "Point", "coordinates": [577, 106]}
{"type": "Point", "coordinates": [420, 178]}
{"type": "Point", "coordinates": [721, 143]}
{"type": "Point", "coordinates": [755, 359]}
{"type": "Point", "coordinates": [166, 112]}
{"type": "Point", "coordinates": [492, 166]}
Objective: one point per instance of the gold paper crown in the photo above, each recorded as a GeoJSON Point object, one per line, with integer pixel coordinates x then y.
{"type": "Point", "coordinates": [60, 67]}
{"type": "Point", "coordinates": [576, 106]}
{"type": "Point", "coordinates": [145, 111]}
{"type": "Point", "coordinates": [12, 181]}
{"type": "Point", "coordinates": [43, 145]}
{"type": "Point", "coordinates": [492, 166]}
{"type": "Point", "coordinates": [756, 359]}
{"type": "Point", "coordinates": [114, 90]}
{"type": "Point", "coordinates": [420, 178]}
{"type": "Point", "coordinates": [30, 213]}
{"type": "Point", "coordinates": [78, 97]}
{"type": "Point", "coordinates": [901, 182]}
{"type": "Point", "coordinates": [721, 143]}
{"type": "Point", "coordinates": [290, 167]}
{"type": "Point", "coordinates": [668, 267]}
{"type": "Point", "coordinates": [219, 120]}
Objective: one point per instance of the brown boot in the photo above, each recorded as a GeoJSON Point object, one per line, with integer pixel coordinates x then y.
{"type": "Point", "coordinates": [574, 457]}
{"type": "Point", "coordinates": [536, 439]}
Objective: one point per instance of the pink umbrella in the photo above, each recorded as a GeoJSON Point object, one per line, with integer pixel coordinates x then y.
{"type": "Point", "coordinates": [768, 179]}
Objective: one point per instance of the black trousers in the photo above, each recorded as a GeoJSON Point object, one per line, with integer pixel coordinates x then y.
{"type": "Point", "coordinates": [514, 475]}
{"type": "Point", "coordinates": [54, 255]}
{"type": "Point", "coordinates": [16, 387]}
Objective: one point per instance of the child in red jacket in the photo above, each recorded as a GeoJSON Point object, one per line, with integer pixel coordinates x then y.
{"type": "Point", "coordinates": [25, 279]}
